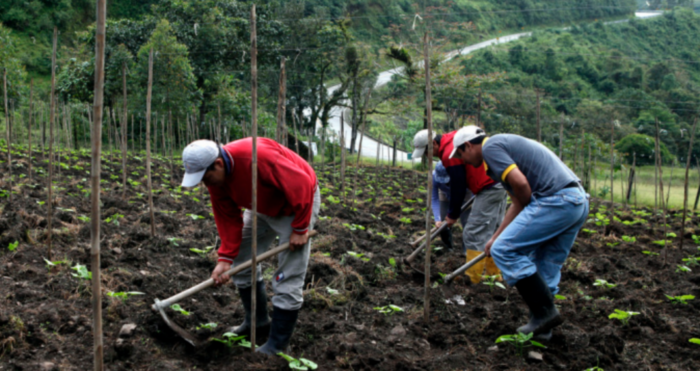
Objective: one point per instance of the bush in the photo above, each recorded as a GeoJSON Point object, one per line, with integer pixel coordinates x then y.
{"type": "Point", "coordinates": [643, 146]}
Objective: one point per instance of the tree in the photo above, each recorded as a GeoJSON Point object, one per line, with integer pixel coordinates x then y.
{"type": "Point", "coordinates": [643, 146]}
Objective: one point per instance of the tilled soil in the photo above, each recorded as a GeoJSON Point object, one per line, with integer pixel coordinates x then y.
{"type": "Point", "coordinates": [45, 312]}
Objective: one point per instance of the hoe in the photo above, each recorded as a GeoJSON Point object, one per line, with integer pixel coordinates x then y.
{"type": "Point", "coordinates": [161, 305]}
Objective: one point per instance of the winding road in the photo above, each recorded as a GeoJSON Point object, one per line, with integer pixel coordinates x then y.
{"type": "Point", "coordinates": [369, 145]}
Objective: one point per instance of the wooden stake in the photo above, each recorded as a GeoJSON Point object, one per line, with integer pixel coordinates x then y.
{"type": "Point", "coordinates": [125, 122]}
{"type": "Point", "coordinates": [685, 185]}
{"type": "Point", "coordinates": [659, 163]}
{"type": "Point", "coordinates": [630, 179]}
{"type": "Point", "coordinates": [148, 142]}
{"type": "Point", "coordinates": [341, 141]}
{"type": "Point", "coordinates": [281, 105]}
{"type": "Point", "coordinates": [52, 118]}
{"type": "Point", "coordinates": [428, 213]}
{"type": "Point", "coordinates": [31, 118]}
{"type": "Point", "coordinates": [612, 170]}
{"type": "Point", "coordinates": [670, 182]}
{"type": "Point", "coordinates": [656, 166]}
{"type": "Point", "coordinates": [9, 140]}
{"type": "Point", "coordinates": [254, 117]}
{"type": "Point", "coordinates": [95, 186]}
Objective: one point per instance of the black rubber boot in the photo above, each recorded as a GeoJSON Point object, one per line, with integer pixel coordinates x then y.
{"type": "Point", "coordinates": [446, 237]}
{"type": "Point", "coordinates": [262, 318]}
{"type": "Point", "coordinates": [544, 315]}
{"type": "Point", "coordinates": [283, 322]}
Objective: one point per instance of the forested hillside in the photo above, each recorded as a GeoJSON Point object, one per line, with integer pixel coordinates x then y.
{"type": "Point", "coordinates": [593, 74]}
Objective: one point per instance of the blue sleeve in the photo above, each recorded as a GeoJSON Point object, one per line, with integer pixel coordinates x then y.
{"type": "Point", "coordinates": [435, 200]}
{"type": "Point", "coordinates": [458, 189]}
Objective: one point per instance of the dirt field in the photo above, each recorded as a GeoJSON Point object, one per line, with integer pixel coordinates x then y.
{"type": "Point", "coordinates": [45, 316]}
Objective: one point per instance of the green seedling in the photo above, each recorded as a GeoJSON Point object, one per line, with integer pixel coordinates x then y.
{"type": "Point", "coordinates": [333, 199]}
{"type": "Point", "coordinates": [696, 239]}
{"type": "Point", "coordinates": [207, 326]}
{"type": "Point", "coordinates": [662, 242]}
{"type": "Point", "coordinates": [50, 264]}
{"type": "Point", "coordinates": [520, 341]}
{"type": "Point", "coordinates": [407, 209]}
{"type": "Point", "coordinates": [230, 340]}
{"type": "Point", "coordinates": [202, 252]}
{"type": "Point", "coordinates": [490, 281]}
{"type": "Point", "coordinates": [604, 284]}
{"type": "Point", "coordinates": [682, 269]}
{"type": "Point", "coordinates": [353, 227]}
{"type": "Point", "coordinates": [41, 203]}
{"type": "Point", "coordinates": [392, 262]}
{"type": "Point", "coordinates": [301, 364]}
{"type": "Point", "coordinates": [388, 310]}
{"type": "Point", "coordinates": [682, 299]}
{"type": "Point", "coordinates": [357, 255]}
{"type": "Point", "coordinates": [671, 235]}
{"type": "Point", "coordinates": [84, 219]}
{"type": "Point", "coordinates": [405, 220]}
{"type": "Point", "coordinates": [332, 291]}
{"type": "Point", "coordinates": [694, 341]}
{"type": "Point", "coordinates": [386, 236]}
{"type": "Point", "coordinates": [195, 216]}
{"type": "Point", "coordinates": [612, 244]}
{"type": "Point", "coordinates": [623, 316]}
{"type": "Point", "coordinates": [589, 231]}
{"type": "Point", "coordinates": [178, 308]}
{"type": "Point", "coordinates": [13, 246]}
{"type": "Point", "coordinates": [560, 297]}
{"type": "Point", "coordinates": [114, 219]}
{"type": "Point", "coordinates": [596, 368]}
{"type": "Point", "coordinates": [650, 253]}
{"type": "Point", "coordinates": [173, 240]}
{"type": "Point", "coordinates": [691, 260]}
{"type": "Point", "coordinates": [123, 294]}
{"type": "Point", "coordinates": [81, 272]}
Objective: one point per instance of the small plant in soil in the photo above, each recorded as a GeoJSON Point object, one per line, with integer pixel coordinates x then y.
{"type": "Point", "coordinates": [84, 219]}
{"type": "Point", "coordinates": [682, 269]}
{"type": "Point", "coordinates": [195, 216]}
{"type": "Point", "coordinates": [207, 326]}
{"type": "Point", "coordinates": [82, 272]}
{"type": "Point", "coordinates": [389, 310]}
{"type": "Point", "coordinates": [332, 291]}
{"type": "Point", "coordinates": [589, 231]}
{"type": "Point", "coordinates": [301, 364]}
{"type": "Point", "coordinates": [123, 295]}
{"type": "Point", "coordinates": [358, 255]}
{"type": "Point", "coordinates": [694, 341]}
{"type": "Point", "coordinates": [490, 281]}
{"type": "Point", "coordinates": [650, 253]}
{"type": "Point", "coordinates": [50, 264]}
{"type": "Point", "coordinates": [114, 219]}
{"type": "Point", "coordinates": [692, 261]}
{"type": "Point", "coordinates": [604, 284]}
{"type": "Point", "coordinates": [596, 368]}
{"type": "Point", "coordinates": [230, 340]}
{"type": "Point", "coordinates": [681, 299]}
{"type": "Point", "coordinates": [173, 240]}
{"type": "Point", "coordinates": [520, 341]}
{"type": "Point", "coordinates": [407, 209]}
{"type": "Point", "coordinates": [201, 252]}
{"type": "Point", "coordinates": [353, 227]}
{"type": "Point", "coordinates": [405, 220]}
{"type": "Point", "coordinates": [178, 308]}
{"type": "Point", "coordinates": [622, 316]}
{"type": "Point", "coordinates": [13, 246]}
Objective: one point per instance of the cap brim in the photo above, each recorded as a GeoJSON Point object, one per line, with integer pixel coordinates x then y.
{"type": "Point", "coordinates": [454, 152]}
{"type": "Point", "coordinates": [192, 179]}
{"type": "Point", "coordinates": [418, 153]}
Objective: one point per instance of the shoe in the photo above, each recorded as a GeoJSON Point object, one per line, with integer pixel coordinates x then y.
{"type": "Point", "coordinates": [446, 237]}
{"type": "Point", "coordinates": [544, 315]}
{"type": "Point", "coordinates": [474, 273]}
{"type": "Point", "coordinates": [492, 269]}
{"type": "Point", "coordinates": [262, 319]}
{"type": "Point", "coordinates": [283, 322]}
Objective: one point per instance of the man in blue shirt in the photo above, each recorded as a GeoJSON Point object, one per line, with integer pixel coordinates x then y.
{"type": "Point", "coordinates": [549, 206]}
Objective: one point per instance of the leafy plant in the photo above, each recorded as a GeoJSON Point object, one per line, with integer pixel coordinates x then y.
{"type": "Point", "coordinates": [230, 340]}
{"type": "Point", "coordinates": [695, 341]}
{"type": "Point", "coordinates": [353, 227]}
{"type": "Point", "coordinates": [332, 291]}
{"type": "Point", "coordinates": [204, 252]}
{"type": "Point", "coordinates": [629, 239]}
{"type": "Point", "coordinates": [682, 299]}
{"type": "Point", "coordinates": [407, 209]}
{"type": "Point", "coordinates": [589, 231]}
{"type": "Point", "coordinates": [490, 281]}
{"type": "Point", "coordinates": [333, 199]}
{"type": "Point", "coordinates": [123, 295]}
{"type": "Point", "coordinates": [692, 260]}
{"type": "Point", "coordinates": [560, 297]}
{"type": "Point", "coordinates": [50, 264]}
{"type": "Point", "coordinates": [114, 219]}
{"type": "Point", "coordinates": [207, 326]}
{"type": "Point", "coordinates": [195, 216]}
{"type": "Point", "coordinates": [520, 341]}
{"type": "Point", "coordinates": [301, 364]}
{"type": "Point", "coordinates": [622, 316]}
{"type": "Point", "coordinates": [13, 245]}
{"type": "Point", "coordinates": [84, 219]}
{"type": "Point", "coordinates": [651, 253]}
{"type": "Point", "coordinates": [173, 240]}
{"type": "Point", "coordinates": [604, 284]}
{"type": "Point", "coordinates": [82, 272]}
{"type": "Point", "coordinates": [389, 310]}
{"type": "Point", "coordinates": [357, 255]}
{"type": "Point", "coordinates": [682, 269]}
{"type": "Point", "coordinates": [392, 262]}
{"type": "Point", "coordinates": [405, 220]}
{"type": "Point", "coordinates": [178, 308]}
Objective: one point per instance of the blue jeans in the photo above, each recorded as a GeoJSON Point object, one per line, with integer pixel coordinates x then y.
{"type": "Point", "coordinates": [540, 238]}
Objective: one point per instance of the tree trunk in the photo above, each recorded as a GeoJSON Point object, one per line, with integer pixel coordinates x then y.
{"type": "Point", "coordinates": [428, 213]}
{"type": "Point", "coordinates": [630, 179]}
{"type": "Point", "coordinates": [125, 122]}
{"type": "Point", "coordinates": [282, 106]}
{"type": "Point", "coordinates": [148, 143]}
{"type": "Point", "coordinates": [49, 202]}
{"type": "Point", "coordinates": [685, 185]}
{"type": "Point", "coordinates": [9, 139]}
{"type": "Point", "coordinates": [341, 142]}
{"type": "Point", "coordinates": [29, 132]}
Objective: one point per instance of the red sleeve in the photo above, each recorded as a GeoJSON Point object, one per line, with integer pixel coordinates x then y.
{"type": "Point", "coordinates": [229, 223]}
{"type": "Point", "coordinates": [298, 188]}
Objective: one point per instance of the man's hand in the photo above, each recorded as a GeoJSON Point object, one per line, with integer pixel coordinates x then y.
{"type": "Point", "coordinates": [438, 223]}
{"type": "Point", "coordinates": [450, 221]}
{"type": "Point", "coordinates": [218, 274]}
{"type": "Point", "coordinates": [297, 241]}
{"type": "Point", "coordinates": [487, 248]}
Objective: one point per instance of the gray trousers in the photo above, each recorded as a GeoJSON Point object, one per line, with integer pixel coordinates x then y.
{"type": "Point", "coordinates": [288, 281]}
{"type": "Point", "coordinates": [483, 219]}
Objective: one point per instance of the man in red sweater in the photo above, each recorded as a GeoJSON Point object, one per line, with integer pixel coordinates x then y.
{"type": "Point", "coordinates": [288, 204]}
{"type": "Point", "coordinates": [488, 208]}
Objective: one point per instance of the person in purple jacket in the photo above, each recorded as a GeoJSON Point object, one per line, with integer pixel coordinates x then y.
{"type": "Point", "coordinates": [440, 201]}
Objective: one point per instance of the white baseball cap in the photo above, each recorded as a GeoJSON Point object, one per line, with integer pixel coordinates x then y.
{"type": "Point", "coordinates": [420, 143]}
{"type": "Point", "coordinates": [197, 157]}
{"type": "Point", "coordinates": [466, 134]}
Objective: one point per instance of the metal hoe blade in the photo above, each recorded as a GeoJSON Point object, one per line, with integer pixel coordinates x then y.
{"type": "Point", "coordinates": [193, 340]}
